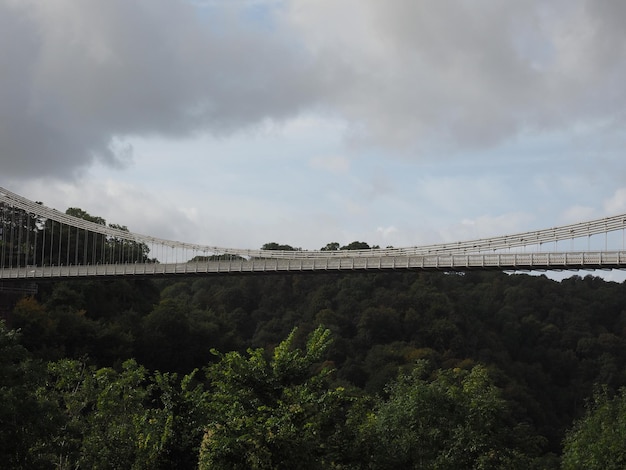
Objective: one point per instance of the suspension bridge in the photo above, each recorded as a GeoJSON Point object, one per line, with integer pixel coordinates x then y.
{"type": "Point", "coordinates": [38, 242]}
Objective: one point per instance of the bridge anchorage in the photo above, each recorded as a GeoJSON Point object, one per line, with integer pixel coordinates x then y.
{"type": "Point", "coordinates": [38, 242]}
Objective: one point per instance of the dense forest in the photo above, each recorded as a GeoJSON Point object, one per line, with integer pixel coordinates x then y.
{"type": "Point", "coordinates": [385, 370]}
{"type": "Point", "coordinates": [372, 370]}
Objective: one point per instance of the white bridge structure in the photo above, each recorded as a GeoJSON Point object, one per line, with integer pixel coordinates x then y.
{"type": "Point", "coordinates": [38, 243]}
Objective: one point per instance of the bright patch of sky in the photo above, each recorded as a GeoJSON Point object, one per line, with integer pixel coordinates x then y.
{"type": "Point", "coordinates": [310, 121]}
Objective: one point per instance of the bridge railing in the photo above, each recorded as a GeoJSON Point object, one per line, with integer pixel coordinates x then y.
{"type": "Point", "coordinates": [445, 262]}
{"type": "Point", "coordinates": [32, 234]}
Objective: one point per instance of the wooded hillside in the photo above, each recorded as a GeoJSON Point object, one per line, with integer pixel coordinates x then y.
{"type": "Point", "coordinates": [507, 360]}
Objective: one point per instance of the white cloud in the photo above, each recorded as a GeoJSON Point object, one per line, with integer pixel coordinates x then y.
{"type": "Point", "coordinates": [474, 74]}
{"type": "Point", "coordinates": [576, 213]}
{"type": "Point", "coordinates": [238, 123]}
{"type": "Point", "coordinates": [616, 204]}
{"type": "Point", "coordinates": [332, 164]}
{"type": "Point", "coordinates": [387, 231]}
{"type": "Point", "coordinates": [78, 75]}
{"type": "Point", "coordinates": [488, 226]}
{"type": "Point", "coordinates": [419, 77]}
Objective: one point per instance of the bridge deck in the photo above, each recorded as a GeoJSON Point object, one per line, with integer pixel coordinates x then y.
{"type": "Point", "coordinates": [498, 261]}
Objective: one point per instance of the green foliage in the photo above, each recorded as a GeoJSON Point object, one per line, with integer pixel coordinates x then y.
{"type": "Point", "coordinates": [598, 440]}
{"type": "Point", "coordinates": [449, 419]}
{"type": "Point", "coordinates": [30, 240]}
{"type": "Point", "coordinates": [278, 246]}
{"type": "Point", "coordinates": [126, 419]}
{"type": "Point", "coordinates": [81, 214]}
{"type": "Point", "coordinates": [274, 412]}
{"type": "Point", "coordinates": [54, 333]}
{"type": "Point", "coordinates": [356, 245]}
{"type": "Point", "coordinates": [95, 319]}
{"type": "Point", "coordinates": [544, 343]}
{"type": "Point", "coordinates": [19, 232]}
{"type": "Point", "coordinates": [179, 332]}
{"type": "Point", "coordinates": [25, 419]}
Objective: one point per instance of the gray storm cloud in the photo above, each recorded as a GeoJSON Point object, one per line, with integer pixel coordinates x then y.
{"type": "Point", "coordinates": [471, 73]}
{"type": "Point", "coordinates": [77, 78]}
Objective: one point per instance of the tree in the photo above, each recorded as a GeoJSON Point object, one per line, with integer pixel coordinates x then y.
{"type": "Point", "coordinates": [598, 440]}
{"type": "Point", "coordinates": [356, 245]}
{"type": "Point", "coordinates": [126, 419]}
{"type": "Point", "coordinates": [276, 246]}
{"type": "Point", "coordinates": [125, 251]}
{"type": "Point", "coordinates": [177, 336]}
{"type": "Point", "coordinates": [60, 244]}
{"type": "Point", "coordinates": [452, 419]}
{"type": "Point", "coordinates": [275, 413]}
{"type": "Point", "coordinates": [18, 237]}
{"type": "Point", "coordinates": [26, 420]}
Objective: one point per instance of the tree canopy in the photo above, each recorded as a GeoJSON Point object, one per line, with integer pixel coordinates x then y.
{"type": "Point", "coordinates": [449, 370]}
{"type": "Point", "coordinates": [598, 440]}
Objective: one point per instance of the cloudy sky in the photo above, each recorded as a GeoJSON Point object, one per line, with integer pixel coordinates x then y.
{"type": "Point", "coordinates": [240, 122]}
